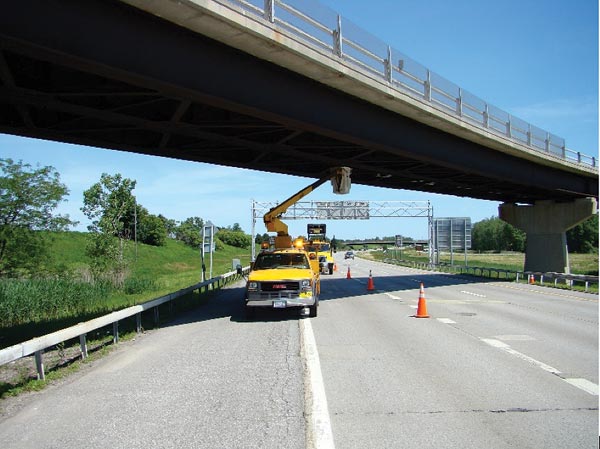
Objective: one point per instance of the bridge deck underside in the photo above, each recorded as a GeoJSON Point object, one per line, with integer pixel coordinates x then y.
{"type": "Point", "coordinates": [123, 80]}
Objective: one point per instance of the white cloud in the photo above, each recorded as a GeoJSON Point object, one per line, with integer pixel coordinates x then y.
{"type": "Point", "coordinates": [560, 109]}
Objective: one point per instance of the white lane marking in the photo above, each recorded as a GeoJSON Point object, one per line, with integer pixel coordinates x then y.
{"type": "Point", "coordinates": [584, 384]}
{"type": "Point", "coordinates": [546, 292]}
{"type": "Point", "coordinates": [446, 320]}
{"type": "Point", "coordinates": [514, 337]}
{"type": "Point", "coordinates": [473, 294]}
{"type": "Point", "coordinates": [413, 306]}
{"type": "Point", "coordinates": [318, 421]}
{"type": "Point", "coordinates": [500, 345]}
{"type": "Point", "coordinates": [389, 295]}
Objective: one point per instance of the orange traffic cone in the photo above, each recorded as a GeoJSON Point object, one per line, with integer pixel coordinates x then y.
{"type": "Point", "coordinates": [422, 307]}
{"type": "Point", "coordinates": [370, 285]}
{"type": "Point", "coordinates": [335, 267]}
{"type": "Point", "coordinates": [531, 279]}
{"type": "Point", "coordinates": [348, 274]}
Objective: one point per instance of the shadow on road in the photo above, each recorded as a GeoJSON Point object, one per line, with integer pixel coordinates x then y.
{"type": "Point", "coordinates": [229, 301]}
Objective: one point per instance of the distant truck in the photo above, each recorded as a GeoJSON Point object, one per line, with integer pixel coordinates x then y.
{"type": "Point", "coordinates": [318, 244]}
{"type": "Point", "coordinates": [323, 252]}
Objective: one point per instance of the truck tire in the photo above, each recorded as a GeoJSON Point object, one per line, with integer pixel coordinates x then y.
{"type": "Point", "coordinates": [313, 310]}
{"type": "Point", "coordinates": [330, 268]}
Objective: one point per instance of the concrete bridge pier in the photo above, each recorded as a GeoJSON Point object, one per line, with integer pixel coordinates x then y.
{"type": "Point", "coordinates": [545, 224]}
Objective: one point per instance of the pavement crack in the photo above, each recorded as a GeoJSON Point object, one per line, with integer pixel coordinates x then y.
{"type": "Point", "coordinates": [492, 411]}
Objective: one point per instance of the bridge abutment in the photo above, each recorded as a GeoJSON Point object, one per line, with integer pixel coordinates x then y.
{"type": "Point", "coordinates": [546, 224]}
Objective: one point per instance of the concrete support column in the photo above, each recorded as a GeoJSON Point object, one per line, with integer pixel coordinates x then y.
{"type": "Point", "coordinates": [545, 224]}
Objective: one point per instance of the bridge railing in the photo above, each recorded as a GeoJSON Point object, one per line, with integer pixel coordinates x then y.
{"type": "Point", "coordinates": [36, 346]}
{"type": "Point", "coordinates": [326, 31]}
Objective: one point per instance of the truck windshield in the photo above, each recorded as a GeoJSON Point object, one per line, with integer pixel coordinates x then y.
{"type": "Point", "coordinates": [270, 261]}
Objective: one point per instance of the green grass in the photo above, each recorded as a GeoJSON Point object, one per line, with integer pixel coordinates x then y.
{"type": "Point", "coordinates": [580, 263]}
{"type": "Point", "coordinates": [585, 264]}
{"type": "Point", "coordinates": [30, 308]}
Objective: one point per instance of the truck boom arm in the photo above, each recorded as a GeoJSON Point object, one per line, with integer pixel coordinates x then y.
{"type": "Point", "coordinates": [272, 217]}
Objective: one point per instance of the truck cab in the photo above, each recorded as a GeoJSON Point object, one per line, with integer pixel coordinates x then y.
{"type": "Point", "coordinates": [283, 278]}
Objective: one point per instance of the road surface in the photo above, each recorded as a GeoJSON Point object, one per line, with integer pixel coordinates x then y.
{"type": "Point", "coordinates": [497, 365]}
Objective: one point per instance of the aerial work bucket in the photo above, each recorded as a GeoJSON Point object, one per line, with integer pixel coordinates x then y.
{"type": "Point", "coordinates": [340, 180]}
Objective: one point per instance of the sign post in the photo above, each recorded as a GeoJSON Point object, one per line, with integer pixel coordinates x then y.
{"type": "Point", "coordinates": [208, 246]}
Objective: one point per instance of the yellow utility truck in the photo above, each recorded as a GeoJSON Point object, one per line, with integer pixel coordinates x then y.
{"type": "Point", "coordinates": [287, 275]}
{"type": "Point", "coordinates": [317, 243]}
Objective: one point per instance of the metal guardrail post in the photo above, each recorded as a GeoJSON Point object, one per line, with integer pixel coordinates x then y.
{"type": "Point", "coordinates": [39, 364]}
{"type": "Point", "coordinates": [459, 103]}
{"type": "Point", "coordinates": [388, 65]}
{"type": "Point", "coordinates": [486, 116]}
{"type": "Point", "coordinates": [138, 322]}
{"type": "Point", "coordinates": [115, 332]}
{"type": "Point", "coordinates": [269, 10]}
{"type": "Point", "coordinates": [83, 346]}
{"type": "Point", "coordinates": [427, 86]}
{"type": "Point", "coordinates": [337, 38]}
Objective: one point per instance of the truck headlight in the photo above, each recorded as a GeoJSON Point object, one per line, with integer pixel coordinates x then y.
{"type": "Point", "coordinates": [305, 285]}
{"type": "Point", "coordinates": [252, 286]}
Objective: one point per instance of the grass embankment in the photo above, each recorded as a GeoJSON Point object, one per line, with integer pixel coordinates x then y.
{"type": "Point", "coordinates": [30, 308]}
{"type": "Point", "coordinates": [580, 263]}
{"type": "Point", "coordinates": [584, 264]}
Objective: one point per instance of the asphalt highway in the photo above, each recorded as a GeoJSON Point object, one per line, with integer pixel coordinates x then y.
{"type": "Point", "coordinates": [496, 365]}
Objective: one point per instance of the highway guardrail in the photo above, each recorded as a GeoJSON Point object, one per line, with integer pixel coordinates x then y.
{"type": "Point", "coordinates": [37, 345]}
{"type": "Point", "coordinates": [568, 280]}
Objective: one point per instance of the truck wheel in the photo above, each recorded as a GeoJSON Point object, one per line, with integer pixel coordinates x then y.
{"type": "Point", "coordinates": [330, 268]}
{"type": "Point", "coordinates": [313, 310]}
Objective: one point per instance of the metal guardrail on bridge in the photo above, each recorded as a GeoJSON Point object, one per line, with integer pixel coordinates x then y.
{"type": "Point", "coordinates": [37, 345]}
{"type": "Point", "coordinates": [326, 31]}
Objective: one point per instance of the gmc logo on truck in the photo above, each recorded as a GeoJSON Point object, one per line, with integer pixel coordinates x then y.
{"type": "Point", "coordinates": [279, 286]}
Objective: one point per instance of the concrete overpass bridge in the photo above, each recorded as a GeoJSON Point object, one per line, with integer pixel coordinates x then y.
{"type": "Point", "coordinates": [263, 85]}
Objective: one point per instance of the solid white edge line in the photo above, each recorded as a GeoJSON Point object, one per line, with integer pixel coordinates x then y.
{"type": "Point", "coordinates": [319, 435]}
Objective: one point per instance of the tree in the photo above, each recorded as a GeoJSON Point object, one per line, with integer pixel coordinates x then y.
{"type": "Point", "coordinates": [583, 238]}
{"type": "Point", "coordinates": [493, 234]}
{"type": "Point", "coordinates": [27, 198]}
{"type": "Point", "coordinates": [149, 228]}
{"type": "Point", "coordinates": [170, 226]}
{"type": "Point", "coordinates": [109, 205]}
{"type": "Point", "coordinates": [152, 230]}
{"type": "Point", "coordinates": [236, 228]}
{"type": "Point", "coordinates": [190, 231]}
{"type": "Point", "coordinates": [234, 238]}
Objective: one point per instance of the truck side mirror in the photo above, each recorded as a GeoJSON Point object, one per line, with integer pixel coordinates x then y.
{"type": "Point", "coordinates": [239, 269]}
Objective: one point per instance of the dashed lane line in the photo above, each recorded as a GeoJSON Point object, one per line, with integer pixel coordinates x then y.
{"type": "Point", "coordinates": [446, 320]}
{"type": "Point", "coordinates": [582, 384]}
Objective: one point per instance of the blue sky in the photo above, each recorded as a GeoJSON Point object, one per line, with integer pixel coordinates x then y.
{"type": "Point", "coordinates": [537, 60]}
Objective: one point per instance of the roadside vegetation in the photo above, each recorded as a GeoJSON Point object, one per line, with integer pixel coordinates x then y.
{"type": "Point", "coordinates": [51, 278]}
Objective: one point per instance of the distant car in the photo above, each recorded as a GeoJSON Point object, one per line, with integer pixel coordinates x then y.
{"type": "Point", "coordinates": [349, 255]}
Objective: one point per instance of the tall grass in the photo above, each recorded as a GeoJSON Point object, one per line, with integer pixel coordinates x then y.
{"type": "Point", "coordinates": [34, 300]}
{"type": "Point", "coordinates": [69, 294]}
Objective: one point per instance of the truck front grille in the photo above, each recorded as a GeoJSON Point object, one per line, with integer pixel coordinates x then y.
{"type": "Point", "coordinates": [279, 286]}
